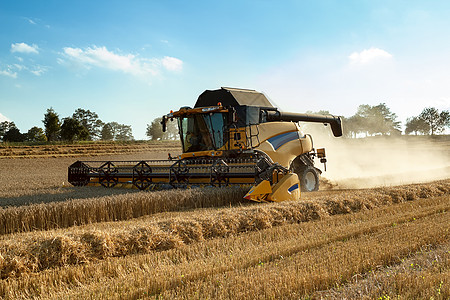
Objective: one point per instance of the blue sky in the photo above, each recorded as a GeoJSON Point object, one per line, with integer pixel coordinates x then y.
{"type": "Point", "coordinates": [132, 61]}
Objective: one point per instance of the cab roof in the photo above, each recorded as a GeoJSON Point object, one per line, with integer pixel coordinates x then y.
{"type": "Point", "coordinates": [233, 97]}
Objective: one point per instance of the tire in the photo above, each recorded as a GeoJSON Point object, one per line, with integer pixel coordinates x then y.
{"type": "Point", "coordinates": [309, 179]}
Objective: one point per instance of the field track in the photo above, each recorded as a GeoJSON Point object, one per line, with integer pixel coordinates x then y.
{"type": "Point", "coordinates": [92, 243]}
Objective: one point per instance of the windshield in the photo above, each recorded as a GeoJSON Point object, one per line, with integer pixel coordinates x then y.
{"type": "Point", "coordinates": [202, 132]}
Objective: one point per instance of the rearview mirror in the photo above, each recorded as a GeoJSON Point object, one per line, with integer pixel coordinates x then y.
{"type": "Point", "coordinates": [164, 123]}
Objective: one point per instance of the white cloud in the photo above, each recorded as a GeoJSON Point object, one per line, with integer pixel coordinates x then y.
{"type": "Point", "coordinates": [369, 55]}
{"type": "Point", "coordinates": [18, 67]}
{"type": "Point", "coordinates": [14, 69]}
{"type": "Point", "coordinates": [128, 63]}
{"type": "Point", "coordinates": [172, 63]}
{"type": "Point", "coordinates": [38, 70]}
{"type": "Point", "coordinates": [3, 118]}
{"type": "Point", "coordinates": [8, 73]}
{"type": "Point", "coordinates": [31, 21]}
{"type": "Point", "coordinates": [24, 48]}
{"type": "Point", "coordinates": [103, 58]}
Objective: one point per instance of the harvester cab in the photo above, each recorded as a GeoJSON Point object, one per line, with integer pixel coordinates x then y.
{"type": "Point", "coordinates": [230, 137]}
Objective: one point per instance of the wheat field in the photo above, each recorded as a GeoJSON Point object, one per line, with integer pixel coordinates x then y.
{"type": "Point", "coordinates": [62, 242]}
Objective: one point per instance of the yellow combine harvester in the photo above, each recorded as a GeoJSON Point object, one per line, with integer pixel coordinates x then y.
{"type": "Point", "coordinates": [230, 137]}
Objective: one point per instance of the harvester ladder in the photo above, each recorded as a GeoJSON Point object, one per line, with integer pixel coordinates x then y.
{"type": "Point", "coordinates": [250, 136]}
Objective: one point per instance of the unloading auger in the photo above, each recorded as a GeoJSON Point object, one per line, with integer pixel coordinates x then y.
{"type": "Point", "coordinates": [230, 137]}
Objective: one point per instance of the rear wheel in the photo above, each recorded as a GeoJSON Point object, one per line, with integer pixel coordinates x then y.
{"type": "Point", "coordinates": [308, 175]}
{"type": "Point", "coordinates": [309, 179]}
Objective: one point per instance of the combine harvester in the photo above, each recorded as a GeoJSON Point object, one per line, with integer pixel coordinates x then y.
{"type": "Point", "coordinates": [230, 137]}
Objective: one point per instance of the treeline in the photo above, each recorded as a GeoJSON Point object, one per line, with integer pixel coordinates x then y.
{"type": "Point", "coordinates": [367, 121]}
{"type": "Point", "coordinates": [83, 125]}
{"type": "Point", "coordinates": [430, 121]}
{"type": "Point", "coordinates": [380, 120]}
{"type": "Point", "coordinates": [372, 120]}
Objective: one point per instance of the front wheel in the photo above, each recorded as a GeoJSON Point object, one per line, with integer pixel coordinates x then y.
{"type": "Point", "coordinates": [309, 179]}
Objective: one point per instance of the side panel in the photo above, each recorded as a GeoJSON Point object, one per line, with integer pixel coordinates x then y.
{"type": "Point", "coordinates": [282, 141]}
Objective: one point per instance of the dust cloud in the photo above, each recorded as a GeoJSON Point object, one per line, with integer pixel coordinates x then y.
{"type": "Point", "coordinates": [380, 160]}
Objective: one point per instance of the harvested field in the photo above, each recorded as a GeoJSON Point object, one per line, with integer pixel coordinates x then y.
{"type": "Point", "coordinates": [86, 148]}
{"type": "Point", "coordinates": [55, 248]}
{"type": "Point", "coordinates": [297, 259]}
{"type": "Point", "coordinates": [128, 206]}
{"type": "Point", "coordinates": [61, 242]}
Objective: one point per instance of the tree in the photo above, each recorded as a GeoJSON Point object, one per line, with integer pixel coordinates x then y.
{"type": "Point", "coordinates": [90, 121]}
{"type": "Point", "coordinates": [115, 127]}
{"type": "Point", "coordinates": [14, 135]}
{"type": "Point", "coordinates": [352, 126]}
{"type": "Point", "coordinates": [154, 130]}
{"type": "Point", "coordinates": [36, 134]}
{"type": "Point", "coordinates": [171, 131]}
{"type": "Point", "coordinates": [416, 125]}
{"type": "Point", "coordinates": [124, 133]}
{"type": "Point", "coordinates": [4, 127]}
{"type": "Point", "coordinates": [71, 130]}
{"type": "Point", "coordinates": [445, 118]}
{"type": "Point", "coordinates": [52, 125]}
{"type": "Point", "coordinates": [117, 132]}
{"type": "Point", "coordinates": [436, 122]}
{"type": "Point", "coordinates": [107, 132]}
{"type": "Point", "coordinates": [389, 123]}
{"type": "Point", "coordinates": [377, 120]}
